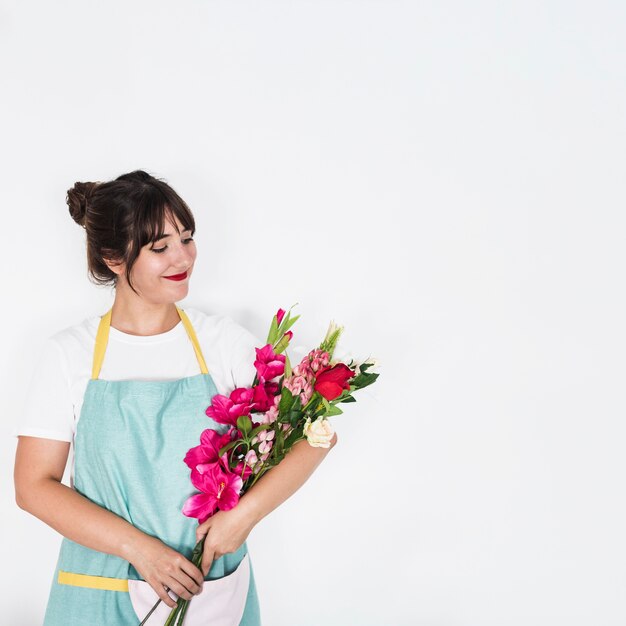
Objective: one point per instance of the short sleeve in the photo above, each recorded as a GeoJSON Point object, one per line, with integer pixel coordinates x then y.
{"type": "Point", "coordinates": [243, 355]}
{"type": "Point", "coordinates": [48, 410]}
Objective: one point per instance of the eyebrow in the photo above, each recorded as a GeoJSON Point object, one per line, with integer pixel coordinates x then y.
{"type": "Point", "coordinates": [187, 230]}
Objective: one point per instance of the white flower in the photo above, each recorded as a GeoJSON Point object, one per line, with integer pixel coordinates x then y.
{"type": "Point", "coordinates": [319, 433]}
{"type": "Point", "coordinates": [374, 364]}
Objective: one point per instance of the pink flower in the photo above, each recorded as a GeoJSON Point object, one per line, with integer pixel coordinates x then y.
{"type": "Point", "coordinates": [279, 316]}
{"type": "Point", "coordinates": [303, 368]}
{"type": "Point", "coordinates": [251, 458]}
{"type": "Point", "coordinates": [312, 362]}
{"type": "Point", "coordinates": [269, 416]}
{"type": "Point", "coordinates": [219, 489]}
{"type": "Point", "coordinates": [295, 384]}
{"type": "Point", "coordinates": [252, 463]}
{"type": "Point", "coordinates": [265, 437]}
{"type": "Point", "coordinates": [207, 452]}
{"type": "Point", "coordinates": [319, 359]}
{"type": "Point", "coordinates": [269, 364]}
{"type": "Point", "coordinates": [300, 384]}
{"type": "Point", "coordinates": [246, 472]}
{"type": "Point", "coordinates": [264, 395]}
{"type": "Point", "coordinates": [242, 395]}
{"type": "Point", "coordinates": [226, 410]}
{"type": "Point", "coordinates": [306, 394]}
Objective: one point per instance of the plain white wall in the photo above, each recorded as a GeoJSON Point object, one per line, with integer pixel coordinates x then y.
{"type": "Point", "coordinates": [446, 180]}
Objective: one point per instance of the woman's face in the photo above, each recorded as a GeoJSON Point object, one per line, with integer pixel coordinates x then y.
{"type": "Point", "coordinates": [172, 255]}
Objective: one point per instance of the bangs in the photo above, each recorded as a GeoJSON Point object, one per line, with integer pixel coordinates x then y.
{"type": "Point", "coordinates": [156, 209]}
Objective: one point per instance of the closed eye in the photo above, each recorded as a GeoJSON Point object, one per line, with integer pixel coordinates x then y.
{"type": "Point", "coordinates": [185, 241]}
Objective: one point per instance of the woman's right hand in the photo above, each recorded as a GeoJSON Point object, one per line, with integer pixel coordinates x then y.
{"type": "Point", "coordinates": [161, 566]}
{"type": "Point", "coordinates": [39, 467]}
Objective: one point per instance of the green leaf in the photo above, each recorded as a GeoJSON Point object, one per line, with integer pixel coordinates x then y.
{"type": "Point", "coordinates": [280, 440]}
{"type": "Point", "coordinates": [286, 400]}
{"type": "Point", "coordinates": [348, 399]}
{"type": "Point", "coordinates": [288, 369]}
{"type": "Point", "coordinates": [257, 429]}
{"type": "Point", "coordinates": [244, 424]}
{"type": "Point", "coordinates": [363, 380]}
{"type": "Point", "coordinates": [288, 322]}
{"type": "Point", "coordinates": [294, 417]}
{"type": "Point", "coordinates": [334, 410]}
{"type": "Point", "coordinates": [293, 436]}
{"type": "Point", "coordinates": [273, 332]}
{"type": "Point", "coordinates": [279, 348]}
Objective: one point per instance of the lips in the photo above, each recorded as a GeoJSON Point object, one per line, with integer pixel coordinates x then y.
{"type": "Point", "coordinates": [177, 276]}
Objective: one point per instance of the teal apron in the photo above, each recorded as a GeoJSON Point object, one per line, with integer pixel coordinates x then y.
{"type": "Point", "coordinates": [129, 446]}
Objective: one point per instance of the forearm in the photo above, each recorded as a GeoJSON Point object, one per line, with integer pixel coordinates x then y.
{"type": "Point", "coordinates": [280, 482]}
{"type": "Point", "coordinates": [81, 520]}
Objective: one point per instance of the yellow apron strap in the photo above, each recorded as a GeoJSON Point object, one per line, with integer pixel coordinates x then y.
{"type": "Point", "coordinates": [102, 337]}
{"type": "Point", "coordinates": [92, 582]}
{"type": "Point", "coordinates": [194, 340]}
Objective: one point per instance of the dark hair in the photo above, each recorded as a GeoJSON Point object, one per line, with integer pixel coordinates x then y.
{"type": "Point", "coordinates": [123, 215]}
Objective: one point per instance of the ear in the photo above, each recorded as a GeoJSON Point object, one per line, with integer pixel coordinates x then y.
{"type": "Point", "coordinates": [118, 267]}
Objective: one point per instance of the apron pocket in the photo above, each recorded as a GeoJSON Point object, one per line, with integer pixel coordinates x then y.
{"type": "Point", "coordinates": [220, 603]}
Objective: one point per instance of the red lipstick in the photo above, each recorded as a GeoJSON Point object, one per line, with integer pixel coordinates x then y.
{"type": "Point", "coordinates": [177, 276]}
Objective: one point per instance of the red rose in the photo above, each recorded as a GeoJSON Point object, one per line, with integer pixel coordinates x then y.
{"type": "Point", "coordinates": [331, 381]}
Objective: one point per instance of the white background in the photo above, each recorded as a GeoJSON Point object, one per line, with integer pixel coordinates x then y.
{"type": "Point", "coordinates": [446, 179]}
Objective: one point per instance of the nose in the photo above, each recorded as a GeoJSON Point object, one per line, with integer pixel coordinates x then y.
{"type": "Point", "coordinates": [184, 257]}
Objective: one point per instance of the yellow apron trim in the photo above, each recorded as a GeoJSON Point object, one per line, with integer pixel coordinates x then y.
{"type": "Point", "coordinates": [194, 340]}
{"type": "Point", "coordinates": [92, 582]}
{"type": "Point", "coordinates": [102, 337]}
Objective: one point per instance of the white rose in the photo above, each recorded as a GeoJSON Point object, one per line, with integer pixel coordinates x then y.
{"type": "Point", "coordinates": [318, 433]}
{"type": "Point", "coordinates": [374, 364]}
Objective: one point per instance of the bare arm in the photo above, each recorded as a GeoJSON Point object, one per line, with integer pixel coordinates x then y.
{"type": "Point", "coordinates": [39, 467]}
{"type": "Point", "coordinates": [227, 530]}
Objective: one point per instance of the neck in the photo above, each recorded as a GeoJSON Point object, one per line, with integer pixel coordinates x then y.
{"type": "Point", "coordinates": [141, 317]}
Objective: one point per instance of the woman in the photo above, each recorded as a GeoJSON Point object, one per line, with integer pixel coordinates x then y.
{"type": "Point", "coordinates": [129, 390]}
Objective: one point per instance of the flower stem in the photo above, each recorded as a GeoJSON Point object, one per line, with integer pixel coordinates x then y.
{"type": "Point", "coordinates": [175, 612]}
{"type": "Point", "coordinates": [181, 615]}
{"type": "Point", "coordinates": [177, 615]}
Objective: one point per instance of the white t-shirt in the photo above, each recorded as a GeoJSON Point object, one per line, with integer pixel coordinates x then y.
{"type": "Point", "coordinates": [55, 394]}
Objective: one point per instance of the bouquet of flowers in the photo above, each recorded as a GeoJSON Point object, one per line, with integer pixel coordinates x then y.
{"type": "Point", "coordinates": [282, 406]}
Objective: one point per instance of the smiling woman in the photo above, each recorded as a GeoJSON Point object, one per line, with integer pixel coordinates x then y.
{"type": "Point", "coordinates": [132, 213]}
{"type": "Point", "coordinates": [129, 390]}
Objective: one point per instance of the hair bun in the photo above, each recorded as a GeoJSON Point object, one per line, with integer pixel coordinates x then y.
{"type": "Point", "coordinates": [77, 199]}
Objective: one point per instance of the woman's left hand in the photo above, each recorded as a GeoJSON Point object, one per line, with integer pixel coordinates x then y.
{"type": "Point", "coordinates": [225, 532]}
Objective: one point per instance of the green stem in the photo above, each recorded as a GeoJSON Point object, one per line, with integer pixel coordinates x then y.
{"type": "Point", "coordinates": [175, 612]}
{"type": "Point", "coordinates": [181, 616]}
{"type": "Point", "coordinates": [181, 605]}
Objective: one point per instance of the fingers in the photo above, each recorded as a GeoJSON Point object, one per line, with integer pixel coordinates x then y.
{"type": "Point", "coordinates": [180, 589]}
{"type": "Point", "coordinates": [207, 561]}
{"type": "Point", "coordinates": [194, 574]}
{"type": "Point", "coordinates": [161, 591]}
{"type": "Point", "coordinates": [190, 583]}
{"type": "Point", "coordinates": [202, 530]}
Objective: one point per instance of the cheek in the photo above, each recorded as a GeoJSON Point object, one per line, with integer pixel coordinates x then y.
{"type": "Point", "coordinates": [151, 266]}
